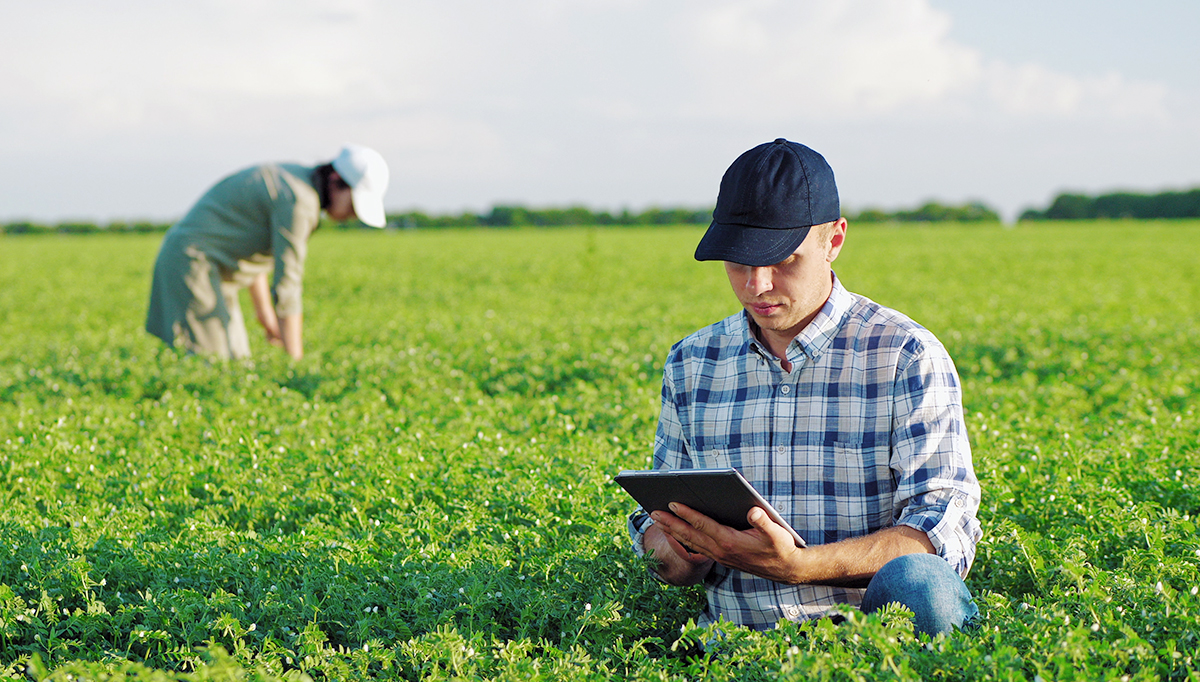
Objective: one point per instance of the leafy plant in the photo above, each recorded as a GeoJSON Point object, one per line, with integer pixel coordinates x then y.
{"type": "Point", "coordinates": [428, 494]}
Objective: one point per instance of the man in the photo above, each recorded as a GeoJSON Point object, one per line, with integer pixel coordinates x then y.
{"type": "Point", "coordinates": [845, 415]}
{"type": "Point", "coordinates": [249, 223]}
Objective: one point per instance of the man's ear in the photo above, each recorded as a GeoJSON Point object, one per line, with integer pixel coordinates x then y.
{"type": "Point", "coordinates": [837, 237]}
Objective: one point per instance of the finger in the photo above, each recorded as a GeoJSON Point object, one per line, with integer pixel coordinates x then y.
{"type": "Point", "coordinates": [772, 531]}
{"type": "Point", "coordinates": [690, 555]}
{"type": "Point", "coordinates": [671, 524]}
{"type": "Point", "coordinates": [678, 531]}
{"type": "Point", "coordinates": [758, 518]}
{"type": "Point", "coordinates": [694, 518]}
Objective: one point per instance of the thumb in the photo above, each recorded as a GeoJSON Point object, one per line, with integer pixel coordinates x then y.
{"type": "Point", "coordinates": [758, 518]}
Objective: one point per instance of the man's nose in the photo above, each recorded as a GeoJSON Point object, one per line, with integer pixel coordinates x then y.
{"type": "Point", "coordinates": [758, 281]}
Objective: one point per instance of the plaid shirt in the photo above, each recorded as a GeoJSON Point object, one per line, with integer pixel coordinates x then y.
{"type": "Point", "coordinates": [864, 433]}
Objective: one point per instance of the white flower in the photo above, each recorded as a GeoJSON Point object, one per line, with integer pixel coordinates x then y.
{"type": "Point", "coordinates": [253, 627]}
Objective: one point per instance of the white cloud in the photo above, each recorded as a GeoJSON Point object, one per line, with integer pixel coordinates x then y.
{"type": "Point", "coordinates": [214, 63]}
{"type": "Point", "coordinates": [775, 58]}
{"type": "Point", "coordinates": [610, 102]}
{"type": "Point", "coordinates": [1031, 90]}
{"type": "Point", "coordinates": [95, 69]}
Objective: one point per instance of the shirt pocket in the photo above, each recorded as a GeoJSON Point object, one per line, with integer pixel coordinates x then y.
{"type": "Point", "coordinates": [715, 452]}
{"type": "Point", "coordinates": [858, 486]}
{"type": "Point", "coordinates": [721, 444]}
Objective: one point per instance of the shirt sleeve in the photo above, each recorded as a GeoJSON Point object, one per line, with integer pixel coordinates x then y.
{"type": "Point", "coordinates": [937, 491]}
{"type": "Point", "coordinates": [293, 218]}
{"type": "Point", "coordinates": [670, 452]}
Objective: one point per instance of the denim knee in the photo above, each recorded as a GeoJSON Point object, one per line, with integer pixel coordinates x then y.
{"type": "Point", "coordinates": [927, 586]}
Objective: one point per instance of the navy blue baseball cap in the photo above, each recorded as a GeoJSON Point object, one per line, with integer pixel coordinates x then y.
{"type": "Point", "coordinates": [769, 199]}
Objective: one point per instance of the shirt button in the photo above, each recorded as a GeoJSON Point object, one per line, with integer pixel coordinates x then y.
{"type": "Point", "coordinates": [781, 449]}
{"type": "Point", "coordinates": [786, 389]}
{"type": "Point", "coordinates": [791, 610]}
{"type": "Point", "coordinates": [958, 502]}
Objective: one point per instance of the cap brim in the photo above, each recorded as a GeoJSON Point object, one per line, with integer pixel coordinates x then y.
{"type": "Point", "coordinates": [754, 246]}
{"type": "Point", "coordinates": [368, 207]}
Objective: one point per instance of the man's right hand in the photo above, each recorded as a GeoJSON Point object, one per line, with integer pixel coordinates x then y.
{"type": "Point", "coordinates": [676, 564]}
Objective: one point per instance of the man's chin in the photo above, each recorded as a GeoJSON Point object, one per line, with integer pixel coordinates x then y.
{"type": "Point", "coordinates": [769, 322]}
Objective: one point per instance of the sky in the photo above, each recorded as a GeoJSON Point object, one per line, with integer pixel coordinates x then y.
{"type": "Point", "coordinates": [130, 109]}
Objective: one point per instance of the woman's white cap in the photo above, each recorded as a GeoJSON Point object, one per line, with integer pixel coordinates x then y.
{"type": "Point", "coordinates": [367, 174]}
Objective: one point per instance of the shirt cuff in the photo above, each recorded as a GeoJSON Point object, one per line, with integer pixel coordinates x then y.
{"type": "Point", "coordinates": [638, 522]}
{"type": "Point", "coordinates": [949, 529]}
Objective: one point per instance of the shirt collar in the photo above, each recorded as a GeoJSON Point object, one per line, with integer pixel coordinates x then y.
{"type": "Point", "coordinates": [817, 336]}
{"type": "Point", "coordinates": [819, 333]}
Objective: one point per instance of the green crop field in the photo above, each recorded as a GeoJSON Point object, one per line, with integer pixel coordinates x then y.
{"type": "Point", "coordinates": [428, 495]}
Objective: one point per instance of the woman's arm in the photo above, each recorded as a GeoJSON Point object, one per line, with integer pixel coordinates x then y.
{"type": "Point", "coordinates": [291, 326]}
{"type": "Point", "coordinates": [260, 295]}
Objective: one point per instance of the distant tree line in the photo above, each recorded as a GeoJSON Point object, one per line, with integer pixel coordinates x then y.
{"type": "Point", "coordinates": [522, 216]}
{"type": "Point", "coordinates": [82, 228]}
{"type": "Point", "coordinates": [931, 212]}
{"type": "Point", "coordinates": [515, 216]}
{"type": "Point", "coordinates": [1120, 205]}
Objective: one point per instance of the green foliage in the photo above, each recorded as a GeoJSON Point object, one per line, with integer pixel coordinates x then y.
{"type": "Point", "coordinates": [1120, 205]}
{"type": "Point", "coordinates": [931, 212]}
{"type": "Point", "coordinates": [427, 495]}
{"type": "Point", "coordinates": [572, 216]}
{"type": "Point", "coordinates": [522, 216]}
{"type": "Point", "coordinates": [82, 228]}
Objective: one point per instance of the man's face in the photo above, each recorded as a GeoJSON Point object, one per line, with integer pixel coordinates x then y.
{"type": "Point", "coordinates": [783, 298]}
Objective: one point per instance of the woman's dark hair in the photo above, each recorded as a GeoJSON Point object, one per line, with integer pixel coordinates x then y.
{"type": "Point", "coordinates": [321, 182]}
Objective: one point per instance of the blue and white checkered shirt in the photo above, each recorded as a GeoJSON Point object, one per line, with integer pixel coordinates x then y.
{"type": "Point", "coordinates": [864, 433]}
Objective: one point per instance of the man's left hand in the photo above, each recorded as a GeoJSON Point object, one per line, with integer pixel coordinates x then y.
{"type": "Point", "coordinates": [766, 550]}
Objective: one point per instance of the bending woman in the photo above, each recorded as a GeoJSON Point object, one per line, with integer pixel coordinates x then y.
{"type": "Point", "coordinates": [254, 222]}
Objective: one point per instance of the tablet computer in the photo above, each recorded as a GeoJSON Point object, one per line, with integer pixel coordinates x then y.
{"type": "Point", "coordinates": [721, 494]}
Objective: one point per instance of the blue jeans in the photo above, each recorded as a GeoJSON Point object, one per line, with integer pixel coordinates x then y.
{"type": "Point", "coordinates": [927, 586]}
